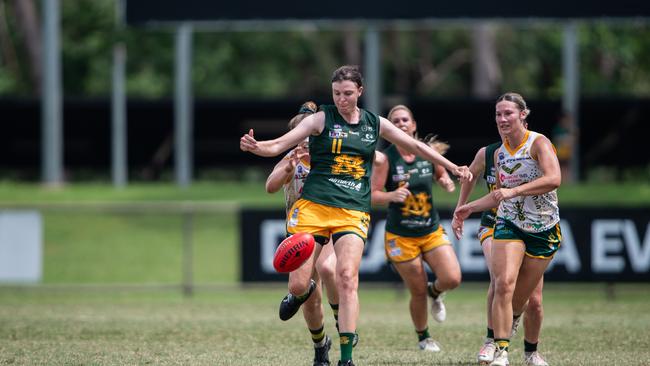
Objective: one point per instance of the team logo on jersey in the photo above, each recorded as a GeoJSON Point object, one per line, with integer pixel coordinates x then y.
{"type": "Point", "coordinates": [500, 156]}
{"type": "Point", "coordinates": [491, 179]}
{"type": "Point", "coordinates": [417, 205]}
{"type": "Point", "coordinates": [349, 165]}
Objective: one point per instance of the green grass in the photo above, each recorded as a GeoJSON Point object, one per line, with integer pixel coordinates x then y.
{"type": "Point", "coordinates": [104, 248]}
{"type": "Point", "coordinates": [231, 326]}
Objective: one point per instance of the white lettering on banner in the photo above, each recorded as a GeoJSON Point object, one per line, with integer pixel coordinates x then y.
{"type": "Point", "coordinates": [271, 234]}
{"type": "Point", "coordinates": [602, 246]}
{"type": "Point", "coordinates": [568, 253]}
{"type": "Point", "coordinates": [638, 252]}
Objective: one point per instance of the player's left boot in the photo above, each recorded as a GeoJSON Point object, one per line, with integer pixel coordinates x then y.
{"type": "Point", "coordinates": [321, 354]}
{"type": "Point", "coordinates": [291, 303]}
{"type": "Point", "coordinates": [534, 359]}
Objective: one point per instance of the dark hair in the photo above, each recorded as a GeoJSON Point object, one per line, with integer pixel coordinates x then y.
{"type": "Point", "coordinates": [348, 72]}
{"type": "Point", "coordinates": [517, 99]}
{"type": "Point", "coordinates": [305, 110]}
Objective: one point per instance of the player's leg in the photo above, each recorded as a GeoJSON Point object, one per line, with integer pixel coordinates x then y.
{"type": "Point", "coordinates": [529, 287]}
{"type": "Point", "coordinates": [348, 249]}
{"type": "Point", "coordinates": [301, 286]}
{"type": "Point", "coordinates": [415, 278]}
{"type": "Point", "coordinates": [326, 268]}
{"type": "Point", "coordinates": [438, 253]}
{"type": "Point", "coordinates": [507, 256]}
{"type": "Point", "coordinates": [534, 315]}
{"type": "Point", "coordinates": [486, 353]}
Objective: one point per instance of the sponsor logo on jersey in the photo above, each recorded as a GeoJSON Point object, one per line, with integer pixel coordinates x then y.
{"type": "Point", "coordinates": [400, 177]}
{"type": "Point", "coordinates": [368, 138]}
{"type": "Point", "coordinates": [338, 134]}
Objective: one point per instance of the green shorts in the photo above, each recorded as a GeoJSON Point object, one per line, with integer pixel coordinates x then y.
{"type": "Point", "coordinates": [538, 245]}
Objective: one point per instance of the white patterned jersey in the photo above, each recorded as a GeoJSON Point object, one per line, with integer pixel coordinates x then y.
{"type": "Point", "coordinates": [515, 166]}
{"type": "Point", "coordinates": [293, 187]}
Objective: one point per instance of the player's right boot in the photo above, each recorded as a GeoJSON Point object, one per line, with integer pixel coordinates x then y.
{"type": "Point", "coordinates": [500, 358]}
{"type": "Point", "coordinates": [486, 353]}
{"type": "Point", "coordinates": [291, 303]}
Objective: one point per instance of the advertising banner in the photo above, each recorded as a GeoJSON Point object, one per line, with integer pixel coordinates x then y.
{"type": "Point", "coordinates": [598, 244]}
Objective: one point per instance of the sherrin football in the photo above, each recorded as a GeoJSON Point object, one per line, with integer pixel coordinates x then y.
{"type": "Point", "coordinates": [293, 252]}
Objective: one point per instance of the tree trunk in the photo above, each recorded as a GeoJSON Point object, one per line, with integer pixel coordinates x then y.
{"type": "Point", "coordinates": [27, 21]}
{"type": "Point", "coordinates": [486, 75]}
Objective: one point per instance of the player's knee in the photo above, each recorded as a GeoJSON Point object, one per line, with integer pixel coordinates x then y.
{"type": "Point", "coordinates": [347, 280]}
{"type": "Point", "coordinates": [298, 288]}
{"type": "Point", "coordinates": [450, 281]}
{"type": "Point", "coordinates": [504, 286]}
{"type": "Point", "coordinates": [327, 271]}
{"type": "Point", "coordinates": [534, 305]}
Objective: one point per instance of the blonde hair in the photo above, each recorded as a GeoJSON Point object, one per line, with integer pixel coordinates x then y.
{"type": "Point", "coordinates": [440, 146]}
{"type": "Point", "coordinates": [306, 109]}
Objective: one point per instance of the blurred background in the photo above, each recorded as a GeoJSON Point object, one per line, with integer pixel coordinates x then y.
{"type": "Point", "coordinates": [585, 78]}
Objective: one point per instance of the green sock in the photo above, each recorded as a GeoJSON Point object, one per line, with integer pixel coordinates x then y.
{"type": "Point", "coordinates": [490, 333]}
{"type": "Point", "coordinates": [346, 345]}
{"type": "Point", "coordinates": [422, 335]}
{"type": "Point", "coordinates": [317, 335]}
{"type": "Point", "coordinates": [502, 343]}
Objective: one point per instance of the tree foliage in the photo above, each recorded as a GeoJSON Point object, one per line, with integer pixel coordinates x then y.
{"type": "Point", "coordinates": [426, 62]}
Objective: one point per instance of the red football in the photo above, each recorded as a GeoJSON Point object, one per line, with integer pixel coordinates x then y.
{"type": "Point", "coordinates": [293, 252]}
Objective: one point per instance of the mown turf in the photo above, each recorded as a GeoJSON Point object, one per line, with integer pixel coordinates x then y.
{"type": "Point", "coordinates": [232, 326]}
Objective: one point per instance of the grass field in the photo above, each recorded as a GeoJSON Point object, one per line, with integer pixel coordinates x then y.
{"type": "Point", "coordinates": [100, 303]}
{"type": "Point", "coordinates": [235, 326]}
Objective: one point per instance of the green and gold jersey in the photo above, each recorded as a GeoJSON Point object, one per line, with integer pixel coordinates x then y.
{"type": "Point", "coordinates": [341, 161]}
{"type": "Point", "coordinates": [488, 218]}
{"type": "Point", "coordinates": [416, 216]}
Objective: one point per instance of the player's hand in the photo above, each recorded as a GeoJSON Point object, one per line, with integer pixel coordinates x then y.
{"type": "Point", "coordinates": [297, 154]}
{"type": "Point", "coordinates": [248, 142]}
{"type": "Point", "coordinates": [461, 213]}
{"type": "Point", "coordinates": [447, 184]}
{"type": "Point", "coordinates": [399, 195]}
{"type": "Point", "coordinates": [463, 173]}
{"type": "Point", "coordinates": [504, 194]}
{"type": "Point", "coordinates": [457, 226]}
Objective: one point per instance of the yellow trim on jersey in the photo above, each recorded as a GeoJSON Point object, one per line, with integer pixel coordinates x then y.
{"type": "Point", "coordinates": [523, 141]}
